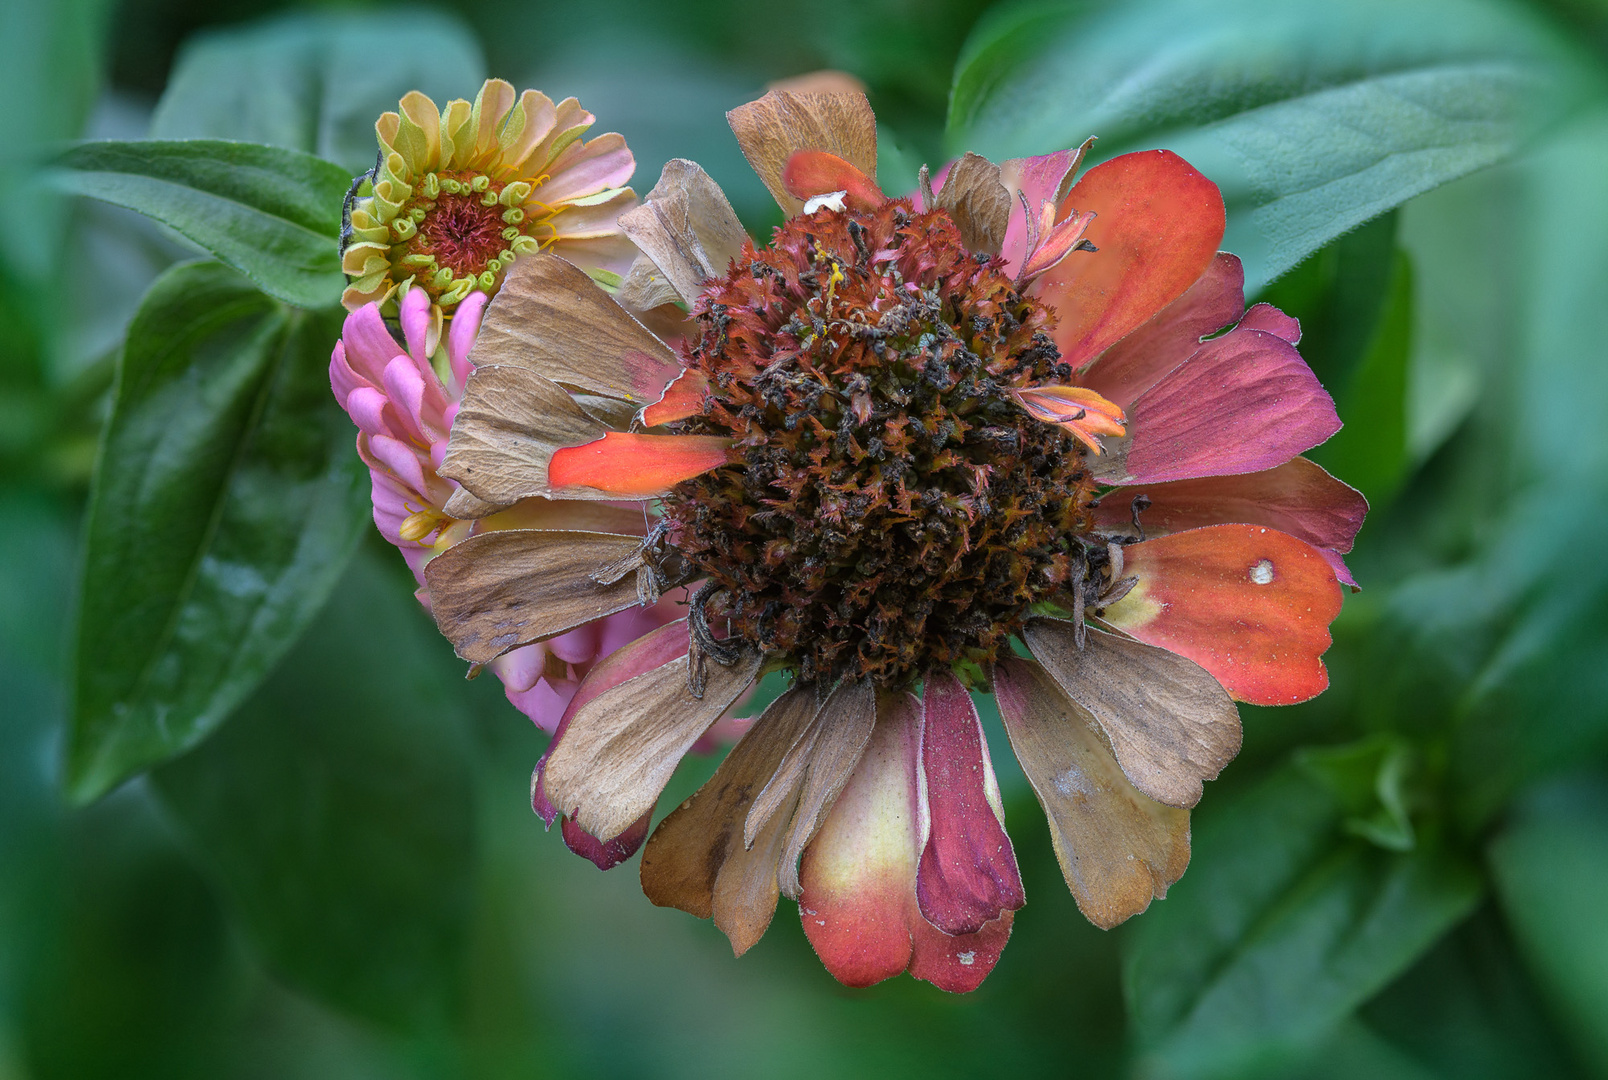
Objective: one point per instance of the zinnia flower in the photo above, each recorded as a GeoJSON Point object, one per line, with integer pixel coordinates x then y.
{"type": "Point", "coordinates": [460, 193]}
{"type": "Point", "coordinates": [904, 437]}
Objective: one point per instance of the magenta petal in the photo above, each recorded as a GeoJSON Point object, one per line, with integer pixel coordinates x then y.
{"type": "Point", "coordinates": [967, 876]}
{"type": "Point", "coordinates": [461, 334]}
{"type": "Point", "coordinates": [414, 315]}
{"type": "Point", "coordinates": [400, 459]}
{"type": "Point", "coordinates": [342, 379]}
{"type": "Point", "coordinates": [406, 389]}
{"type": "Point", "coordinates": [369, 345]}
{"type": "Point", "coordinates": [578, 646]}
{"type": "Point", "coordinates": [366, 407]}
{"type": "Point", "coordinates": [1270, 320]}
{"type": "Point", "coordinates": [1140, 360]}
{"type": "Point", "coordinates": [1039, 178]}
{"type": "Point", "coordinates": [606, 854]}
{"type": "Point", "coordinates": [1342, 572]}
{"type": "Point", "coordinates": [1243, 403]}
{"type": "Point", "coordinates": [647, 652]}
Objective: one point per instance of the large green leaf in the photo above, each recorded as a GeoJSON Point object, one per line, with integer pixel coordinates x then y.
{"type": "Point", "coordinates": [1280, 928]}
{"type": "Point", "coordinates": [1551, 871]}
{"type": "Point", "coordinates": [337, 808]}
{"type": "Point", "coordinates": [272, 214]}
{"type": "Point", "coordinates": [226, 501]}
{"type": "Point", "coordinates": [1312, 116]}
{"type": "Point", "coordinates": [315, 82]}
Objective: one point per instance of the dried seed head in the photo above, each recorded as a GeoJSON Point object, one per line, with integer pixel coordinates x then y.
{"type": "Point", "coordinates": [895, 508]}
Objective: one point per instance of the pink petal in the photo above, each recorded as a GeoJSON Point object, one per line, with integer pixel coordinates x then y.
{"type": "Point", "coordinates": [406, 389]}
{"type": "Point", "coordinates": [367, 408]}
{"type": "Point", "coordinates": [1137, 362]}
{"type": "Point", "coordinates": [369, 345]}
{"type": "Point", "coordinates": [603, 163]}
{"type": "Point", "coordinates": [578, 646]}
{"type": "Point", "coordinates": [544, 704]}
{"type": "Point", "coordinates": [414, 315]}
{"type": "Point", "coordinates": [520, 668]}
{"type": "Point", "coordinates": [401, 460]}
{"type": "Point", "coordinates": [1039, 178]}
{"type": "Point", "coordinates": [1298, 497]}
{"type": "Point", "coordinates": [1271, 320]}
{"type": "Point", "coordinates": [1244, 402]}
{"type": "Point", "coordinates": [461, 335]}
{"type": "Point", "coordinates": [967, 876]}
{"type": "Point", "coordinates": [342, 379]}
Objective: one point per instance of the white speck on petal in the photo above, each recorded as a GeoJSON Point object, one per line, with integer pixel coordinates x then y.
{"type": "Point", "coordinates": [966, 958]}
{"type": "Point", "coordinates": [1262, 573]}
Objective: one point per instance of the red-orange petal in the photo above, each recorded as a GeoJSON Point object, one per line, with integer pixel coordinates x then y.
{"type": "Point", "coordinates": [1157, 228]}
{"type": "Point", "coordinates": [684, 397]}
{"type": "Point", "coordinates": [1251, 605]}
{"type": "Point", "coordinates": [636, 466]}
{"type": "Point", "coordinates": [809, 173]}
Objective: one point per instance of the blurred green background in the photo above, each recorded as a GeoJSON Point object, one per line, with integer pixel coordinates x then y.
{"type": "Point", "coordinates": [332, 869]}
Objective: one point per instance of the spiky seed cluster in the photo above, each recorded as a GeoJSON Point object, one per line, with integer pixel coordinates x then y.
{"type": "Point", "coordinates": [894, 510]}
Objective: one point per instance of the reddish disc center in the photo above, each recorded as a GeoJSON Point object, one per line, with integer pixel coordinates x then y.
{"type": "Point", "coordinates": [462, 234]}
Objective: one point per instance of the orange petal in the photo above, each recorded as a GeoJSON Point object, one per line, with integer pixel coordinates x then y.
{"type": "Point", "coordinates": [1078, 409]}
{"type": "Point", "coordinates": [809, 173]}
{"type": "Point", "coordinates": [636, 466]}
{"type": "Point", "coordinates": [1249, 604]}
{"type": "Point", "coordinates": [1158, 225]}
{"type": "Point", "coordinates": [684, 397]}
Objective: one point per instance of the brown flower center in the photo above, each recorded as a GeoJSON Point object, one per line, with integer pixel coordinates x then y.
{"type": "Point", "coordinates": [895, 509]}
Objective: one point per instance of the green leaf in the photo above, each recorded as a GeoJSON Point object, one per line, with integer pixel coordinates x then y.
{"type": "Point", "coordinates": [316, 82]}
{"type": "Point", "coordinates": [1281, 927]}
{"type": "Point", "coordinates": [226, 501]}
{"type": "Point", "coordinates": [1312, 117]}
{"type": "Point", "coordinates": [272, 214]}
{"type": "Point", "coordinates": [1551, 870]}
{"type": "Point", "coordinates": [337, 809]}
{"type": "Point", "coordinates": [1369, 777]}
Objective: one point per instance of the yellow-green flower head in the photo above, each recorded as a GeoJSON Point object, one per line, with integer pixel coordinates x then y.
{"type": "Point", "coordinates": [462, 192]}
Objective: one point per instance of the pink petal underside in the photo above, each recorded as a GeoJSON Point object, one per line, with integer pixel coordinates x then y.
{"type": "Point", "coordinates": [578, 646]}
{"type": "Point", "coordinates": [1039, 178]}
{"type": "Point", "coordinates": [1137, 362]}
{"type": "Point", "coordinates": [647, 652]}
{"type": "Point", "coordinates": [369, 345]}
{"type": "Point", "coordinates": [1243, 403]}
{"type": "Point", "coordinates": [461, 335]}
{"type": "Point", "coordinates": [1271, 320]}
{"type": "Point", "coordinates": [367, 407]}
{"type": "Point", "coordinates": [859, 905]}
{"type": "Point", "coordinates": [414, 315]}
{"type": "Point", "coordinates": [401, 460]}
{"type": "Point", "coordinates": [1249, 604]}
{"type": "Point", "coordinates": [520, 668]}
{"type": "Point", "coordinates": [407, 390]}
{"type": "Point", "coordinates": [967, 876]}
{"type": "Point", "coordinates": [1298, 497]}
{"type": "Point", "coordinates": [603, 163]}
{"type": "Point", "coordinates": [342, 379]}
{"type": "Point", "coordinates": [1157, 228]}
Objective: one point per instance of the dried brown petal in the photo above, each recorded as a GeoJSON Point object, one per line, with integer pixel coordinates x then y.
{"type": "Point", "coordinates": [1171, 724]}
{"type": "Point", "coordinates": [687, 227]}
{"type": "Point", "coordinates": [500, 590]}
{"type": "Point", "coordinates": [845, 722]}
{"type": "Point", "coordinates": [1118, 848]}
{"type": "Point", "coordinates": [771, 129]}
{"type": "Point", "coordinates": [622, 746]}
{"type": "Point", "coordinates": [977, 202]}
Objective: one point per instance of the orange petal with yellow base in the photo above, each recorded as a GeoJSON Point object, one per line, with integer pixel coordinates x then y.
{"type": "Point", "coordinates": [1157, 225]}
{"type": "Point", "coordinates": [1077, 409]}
{"type": "Point", "coordinates": [636, 466]}
{"type": "Point", "coordinates": [1249, 604]}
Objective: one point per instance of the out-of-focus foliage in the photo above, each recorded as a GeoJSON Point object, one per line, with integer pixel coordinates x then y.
{"type": "Point", "coordinates": [325, 865]}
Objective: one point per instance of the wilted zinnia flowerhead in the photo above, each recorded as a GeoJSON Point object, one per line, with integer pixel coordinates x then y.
{"type": "Point", "coordinates": [460, 193]}
{"type": "Point", "coordinates": [905, 438]}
